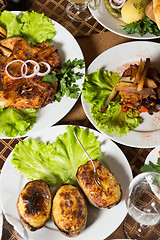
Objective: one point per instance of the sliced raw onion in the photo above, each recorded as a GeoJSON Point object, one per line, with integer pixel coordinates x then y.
{"type": "Point", "coordinates": [35, 69]}
{"type": "Point", "coordinates": [23, 74]}
{"type": "Point", "coordinates": [116, 1]}
{"type": "Point", "coordinates": [47, 71]}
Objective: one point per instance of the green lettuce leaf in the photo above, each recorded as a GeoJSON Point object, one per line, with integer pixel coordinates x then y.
{"type": "Point", "coordinates": [15, 121]}
{"type": "Point", "coordinates": [57, 162]}
{"type": "Point", "coordinates": [96, 90]}
{"type": "Point", "coordinates": [32, 26]}
{"type": "Point", "coordinates": [113, 120]}
{"type": "Point", "coordinates": [36, 27]}
{"type": "Point", "coordinates": [10, 22]}
{"type": "Point", "coordinates": [98, 86]}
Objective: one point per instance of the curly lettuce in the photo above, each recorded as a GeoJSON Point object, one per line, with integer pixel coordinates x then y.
{"type": "Point", "coordinates": [36, 27]}
{"type": "Point", "coordinates": [16, 121]}
{"type": "Point", "coordinates": [57, 162]}
{"type": "Point", "coordinates": [32, 26]}
{"type": "Point", "coordinates": [96, 90]}
{"type": "Point", "coordinates": [10, 22]}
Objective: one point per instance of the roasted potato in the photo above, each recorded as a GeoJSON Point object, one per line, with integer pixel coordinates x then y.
{"type": "Point", "coordinates": [69, 210]}
{"type": "Point", "coordinates": [34, 204]}
{"type": "Point", "coordinates": [133, 10]}
{"type": "Point", "coordinates": [105, 196]}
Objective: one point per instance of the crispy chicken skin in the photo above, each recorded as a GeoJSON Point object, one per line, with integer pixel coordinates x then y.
{"type": "Point", "coordinates": [102, 197]}
{"type": "Point", "coordinates": [34, 204]}
{"type": "Point", "coordinates": [28, 92]}
{"type": "Point", "coordinates": [69, 210]}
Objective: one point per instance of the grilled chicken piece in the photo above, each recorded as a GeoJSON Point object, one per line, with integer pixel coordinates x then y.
{"type": "Point", "coordinates": [3, 32]}
{"type": "Point", "coordinates": [69, 210]}
{"type": "Point", "coordinates": [5, 51]}
{"type": "Point", "coordinates": [21, 94]}
{"type": "Point", "coordinates": [28, 92]}
{"type": "Point", "coordinates": [9, 42]}
{"type": "Point", "coordinates": [34, 204]}
{"type": "Point", "coordinates": [105, 196]}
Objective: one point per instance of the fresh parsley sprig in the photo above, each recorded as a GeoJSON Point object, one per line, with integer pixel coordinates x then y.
{"type": "Point", "coordinates": [151, 167]}
{"type": "Point", "coordinates": [141, 27]}
{"type": "Point", "coordinates": [66, 79]}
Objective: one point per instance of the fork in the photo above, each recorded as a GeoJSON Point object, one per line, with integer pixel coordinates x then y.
{"type": "Point", "coordinates": [94, 168]}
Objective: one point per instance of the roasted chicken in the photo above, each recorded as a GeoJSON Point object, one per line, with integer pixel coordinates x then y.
{"type": "Point", "coordinates": [26, 92]}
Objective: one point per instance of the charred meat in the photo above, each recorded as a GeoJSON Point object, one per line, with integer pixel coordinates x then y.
{"type": "Point", "coordinates": [29, 92]}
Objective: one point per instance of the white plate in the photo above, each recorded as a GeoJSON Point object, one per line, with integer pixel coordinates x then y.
{"type": "Point", "coordinates": [68, 48]}
{"type": "Point", "coordinates": [117, 59]}
{"type": "Point", "coordinates": [101, 223]}
{"type": "Point", "coordinates": [153, 155]}
{"type": "Point", "coordinates": [114, 24]}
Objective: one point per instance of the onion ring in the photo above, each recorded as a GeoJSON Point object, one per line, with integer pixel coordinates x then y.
{"type": "Point", "coordinates": [47, 71]}
{"type": "Point", "coordinates": [118, 6]}
{"type": "Point", "coordinates": [23, 74]}
{"type": "Point", "coordinates": [35, 69]}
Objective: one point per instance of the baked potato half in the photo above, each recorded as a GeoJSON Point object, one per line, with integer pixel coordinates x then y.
{"type": "Point", "coordinates": [34, 204]}
{"type": "Point", "coordinates": [69, 210]}
{"type": "Point", "coordinates": [105, 196]}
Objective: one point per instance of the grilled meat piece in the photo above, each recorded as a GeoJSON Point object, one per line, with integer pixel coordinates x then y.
{"type": "Point", "coordinates": [28, 92]}
{"type": "Point", "coordinates": [69, 210]}
{"type": "Point", "coordinates": [34, 204]}
{"type": "Point", "coordinates": [105, 196]}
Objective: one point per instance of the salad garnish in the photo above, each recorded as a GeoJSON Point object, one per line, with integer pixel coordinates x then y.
{"type": "Point", "coordinates": [33, 32]}
{"type": "Point", "coordinates": [118, 101]}
{"type": "Point", "coordinates": [139, 16]}
{"type": "Point", "coordinates": [56, 162]}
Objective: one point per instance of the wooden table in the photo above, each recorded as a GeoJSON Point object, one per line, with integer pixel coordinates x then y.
{"type": "Point", "coordinates": [93, 40]}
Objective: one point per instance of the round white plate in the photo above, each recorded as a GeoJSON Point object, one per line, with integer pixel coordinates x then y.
{"type": "Point", "coordinates": [113, 24]}
{"type": "Point", "coordinates": [68, 48]}
{"type": "Point", "coordinates": [101, 223]}
{"type": "Point", "coordinates": [153, 155]}
{"type": "Point", "coordinates": [117, 59]}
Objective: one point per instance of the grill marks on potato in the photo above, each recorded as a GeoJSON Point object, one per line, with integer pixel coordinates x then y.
{"type": "Point", "coordinates": [101, 197]}
{"type": "Point", "coordinates": [69, 210]}
{"type": "Point", "coordinates": [68, 207]}
{"type": "Point", "coordinates": [34, 204]}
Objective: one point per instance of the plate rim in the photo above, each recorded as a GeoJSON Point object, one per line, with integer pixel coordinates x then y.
{"type": "Point", "coordinates": [94, 12]}
{"type": "Point", "coordinates": [84, 103]}
{"type": "Point", "coordinates": [127, 168]}
{"type": "Point", "coordinates": [65, 98]}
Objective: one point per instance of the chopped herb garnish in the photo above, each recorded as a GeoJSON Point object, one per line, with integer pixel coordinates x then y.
{"type": "Point", "coordinates": [66, 78]}
{"type": "Point", "coordinates": [151, 167]}
{"type": "Point", "coordinates": [141, 27]}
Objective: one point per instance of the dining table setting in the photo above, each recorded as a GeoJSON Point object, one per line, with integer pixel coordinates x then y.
{"type": "Point", "coordinates": [100, 41]}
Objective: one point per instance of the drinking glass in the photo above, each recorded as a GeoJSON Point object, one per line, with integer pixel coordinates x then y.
{"type": "Point", "coordinates": [143, 205]}
{"type": "Point", "coordinates": [78, 10]}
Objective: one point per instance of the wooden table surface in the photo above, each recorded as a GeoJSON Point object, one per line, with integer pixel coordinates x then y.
{"type": "Point", "coordinates": [93, 40]}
